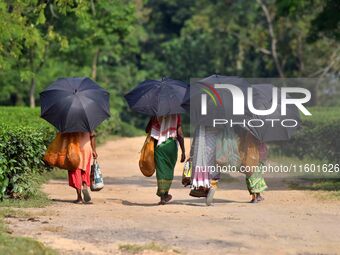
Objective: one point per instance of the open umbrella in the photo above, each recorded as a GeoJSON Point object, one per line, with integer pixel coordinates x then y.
{"type": "Point", "coordinates": [75, 104]}
{"type": "Point", "coordinates": [271, 130]}
{"type": "Point", "coordinates": [219, 101]}
{"type": "Point", "coordinates": [158, 97]}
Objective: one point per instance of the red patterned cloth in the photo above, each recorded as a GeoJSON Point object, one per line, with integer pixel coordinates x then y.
{"type": "Point", "coordinates": [164, 127]}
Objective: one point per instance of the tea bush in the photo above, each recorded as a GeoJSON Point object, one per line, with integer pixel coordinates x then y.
{"type": "Point", "coordinates": [319, 137]}
{"type": "Point", "coordinates": [23, 140]}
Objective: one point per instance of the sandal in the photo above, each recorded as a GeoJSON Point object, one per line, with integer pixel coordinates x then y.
{"type": "Point", "coordinates": [259, 198]}
{"type": "Point", "coordinates": [86, 194]}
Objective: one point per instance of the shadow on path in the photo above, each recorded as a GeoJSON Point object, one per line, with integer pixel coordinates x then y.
{"type": "Point", "coordinates": [199, 202]}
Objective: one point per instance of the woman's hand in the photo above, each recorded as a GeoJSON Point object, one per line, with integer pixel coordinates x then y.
{"type": "Point", "coordinates": [94, 154]}
{"type": "Point", "coordinates": [182, 157]}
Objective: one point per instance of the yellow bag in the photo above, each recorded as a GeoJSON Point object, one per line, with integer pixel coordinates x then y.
{"type": "Point", "coordinates": [64, 151]}
{"type": "Point", "coordinates": [249, 150]}
{"type": "Point", "coordinates": [51, 155]}
{"type": "Point", "coordinates": [73, 151]}
{"type": "Point", "coordinates": [147, 159]}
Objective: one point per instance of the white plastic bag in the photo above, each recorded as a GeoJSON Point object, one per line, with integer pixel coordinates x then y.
{"type": "Point", "coordinates": [97, 182]}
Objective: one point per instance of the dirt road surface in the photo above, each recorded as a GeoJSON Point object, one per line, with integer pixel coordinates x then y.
{"type": "Point", "coordinates": [126, 212]}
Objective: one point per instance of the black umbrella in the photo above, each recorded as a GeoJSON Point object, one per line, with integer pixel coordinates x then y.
{"type": "Point", "coordinates": [271, 130]}
{"type": "Point", "coordinates": [158, 97]}
{"type": "Point", "coordinates": [219, 100]}
{"type": "Point", "coordinates": [75, 104]}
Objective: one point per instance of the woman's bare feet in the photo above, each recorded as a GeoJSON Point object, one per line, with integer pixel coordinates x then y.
{"type": "Point", "coordinates": [79, 198]}
{"type": "Point", "coordinates": [253, 199]}
{"type": "Point", "coordinates": [78, 201]}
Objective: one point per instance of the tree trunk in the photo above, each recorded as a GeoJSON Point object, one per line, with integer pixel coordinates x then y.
{"type": "Point", "coordinates": [32, 92]}
{"type": "Point", "coordinates": [300, 56]}
{"type": "Point", "coordinates": [273, 39]}
{"type": "Point", "coordinates": [93, 8]}
{"type": "Point", "coordinates": [94, 64]}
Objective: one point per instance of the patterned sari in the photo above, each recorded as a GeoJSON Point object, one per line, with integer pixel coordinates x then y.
{"type": "Point", "coordinates": [256, 182]}
{"type": "Point", "coordinates": [203, 154]}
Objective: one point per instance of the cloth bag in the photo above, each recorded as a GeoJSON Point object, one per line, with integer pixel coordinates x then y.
{"type": "Point", "coordinates": [64, 151]}
{"type": "Point", "coordinates": [249, 150]}
{"type": "Point", "coordinates": [227, 152]}
{"type": "Point", "coordinates": [147, 157]}
{"type": "Point", "coordinates": [96, 177]}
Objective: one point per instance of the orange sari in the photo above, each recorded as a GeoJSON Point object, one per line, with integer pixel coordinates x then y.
{"type": "Point", "coordinates": [82, 174]}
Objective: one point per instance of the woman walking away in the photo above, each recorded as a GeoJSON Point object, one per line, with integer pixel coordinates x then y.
{"type": "Point", "coordinates": [80, 177]}
{"type": "Point", "coordinates": [253, 155]}
{"type": "Point", "coordinates": [258, 181]}
{"type": "Point", "coordinates": [166, 130]}
{"type": "Point", "coordinates": [203, 155]}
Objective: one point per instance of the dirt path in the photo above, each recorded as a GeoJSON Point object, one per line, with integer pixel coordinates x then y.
{"type": "Point", "coordinates": [126, 212]}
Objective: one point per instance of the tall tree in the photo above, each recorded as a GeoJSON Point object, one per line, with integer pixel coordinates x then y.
{"type": "Point", "coordinates": [25, 40]}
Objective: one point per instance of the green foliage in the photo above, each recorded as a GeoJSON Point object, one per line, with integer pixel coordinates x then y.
{"type": "Point", "coordinates": [23, 141]}
{"type": "Point", "coordinates": [129, 130]}
{"type": "Point", "coordinates": [26, 37]}
{"type": "Point", "coordinates": [109, 127]}
{"type": "Point", "coordinates": [330, 188]}
{"type": "Point", "coordinates": [41, 41]}
{"type": "Point", "coordinates": [325, 23]}
{"type": "Point", "coordinates": [318, 138]}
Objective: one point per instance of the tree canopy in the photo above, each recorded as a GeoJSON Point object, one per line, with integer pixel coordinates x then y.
{"type": "Point", "coordinates": [119, 43]}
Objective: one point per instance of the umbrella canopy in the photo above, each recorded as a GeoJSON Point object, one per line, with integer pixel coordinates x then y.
{"type": "Point", "coordinates": [270, 132]}
{"type": "Point", "coordinates": [75, 104]}
{"type": "Point", "coordinates": [158, 97]}
{"type": "Point", "coordinates": [219, 100]}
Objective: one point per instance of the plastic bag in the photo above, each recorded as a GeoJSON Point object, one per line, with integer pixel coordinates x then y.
{"type": "Point", "coordinates": [187, 172]}
{"type": "Point", "coordinates": [97, 182]}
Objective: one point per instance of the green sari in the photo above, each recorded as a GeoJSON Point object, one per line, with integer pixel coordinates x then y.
{"type": "Point", "coordinates": [256, 182]}
{"type": "Point", "coordinates": [165, 158]}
